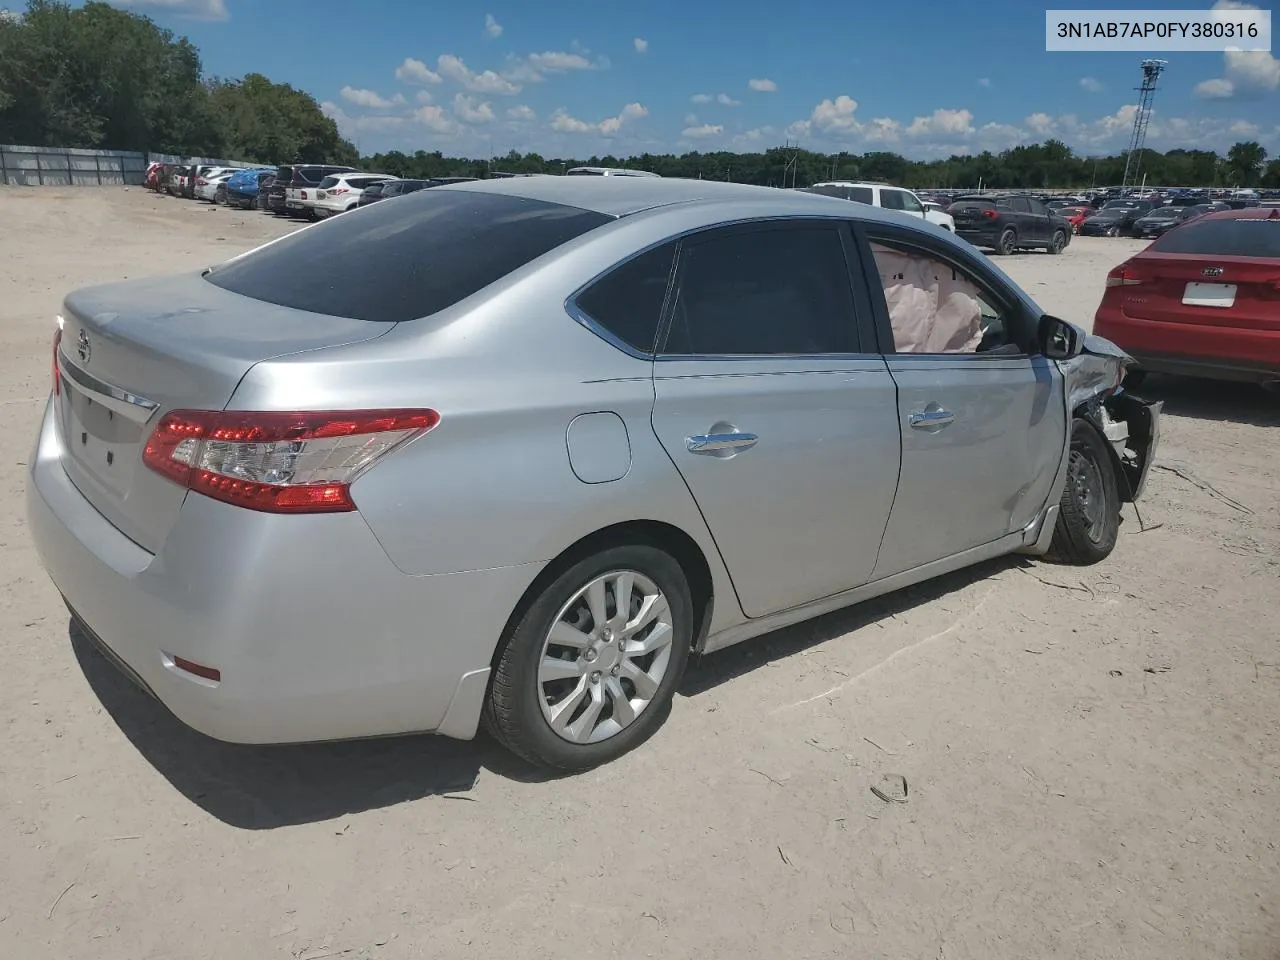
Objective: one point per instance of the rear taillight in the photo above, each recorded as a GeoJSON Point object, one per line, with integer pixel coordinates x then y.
{"type": "Point", "coordinates": [333, 191]}
{"type": "Point", "coordinates": [202, 182]}
{"type": "Point", "coordinates": [57, 375]}
{"type": "Point", "coordinates": [991, 214]}
{"type": "Point", "coordinates": [303, 194]}
{"type": "Point", "coordinates": [279, 462]}
{"type": "Point", "coordinates": [1124, 275]}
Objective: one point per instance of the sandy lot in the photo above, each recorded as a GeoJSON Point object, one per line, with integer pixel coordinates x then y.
{"type": "Point", "coordinates": [1093, 755]}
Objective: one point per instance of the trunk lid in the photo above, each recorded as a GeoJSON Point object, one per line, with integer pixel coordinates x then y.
{"type": "Point", "coordinates": [133, 351]}
{"type": "Point", "coordinates": [1239, 292]}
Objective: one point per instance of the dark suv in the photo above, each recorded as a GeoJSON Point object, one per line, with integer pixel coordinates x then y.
{"type": "Point", "coordinates": [297, 177]}
{"type": "Point", "coordinates": [1006, 224]}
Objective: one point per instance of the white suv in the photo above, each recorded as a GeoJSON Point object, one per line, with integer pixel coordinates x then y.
{"type": "Point", "coordinates": [340, 192]}
{"type": "Point", "coordinates": [882, 195]}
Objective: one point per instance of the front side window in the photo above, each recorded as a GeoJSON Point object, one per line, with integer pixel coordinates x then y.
{"type": "Point", "coordinates": [1020, 204]}
{"type": "Point", "coordinates": [936, 307]}
{"type": "Point", "coordinates": [627, 301]}
{"type": "Point", "coordinates": [909, 202]}
{"type": "Point", "coordinates": [892, 200]}
{"type": "Point", "coordinates": [772, 291]}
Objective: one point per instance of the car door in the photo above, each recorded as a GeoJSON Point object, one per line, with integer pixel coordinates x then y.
{"type": "Point", "coordinates": [782, 424]}
{"type": "Point", "coordinates": [981, 416]}
{"type": "Point", "coordinates": [1043, 219]}
{"type": "Point", "coordinates": [911, 203]}
{"type": "Point", "coordinates": [1020, 213]}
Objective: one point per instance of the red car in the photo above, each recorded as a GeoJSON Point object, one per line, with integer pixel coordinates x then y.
{"type": "Point", "coordinates": [1075, 215]}
{"type": "Point", "coordinates": [1203, 300]}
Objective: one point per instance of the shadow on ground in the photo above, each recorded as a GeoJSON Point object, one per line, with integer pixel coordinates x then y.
{"type": "Point", "coordinates": [261, 788]}
{"type": "Point", "coordinates": [1220, 400]}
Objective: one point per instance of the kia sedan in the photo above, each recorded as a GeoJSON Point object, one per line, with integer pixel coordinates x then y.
{"type": "Point", "coordinates": [512, 450]}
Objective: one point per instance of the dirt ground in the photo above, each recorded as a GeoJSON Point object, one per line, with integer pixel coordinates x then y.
{"type": "Point", "coordinates": [1093, 755]}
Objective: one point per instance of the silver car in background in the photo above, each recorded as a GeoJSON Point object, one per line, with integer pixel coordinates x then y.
{"type": "Point", "coordinates": [512, 450]}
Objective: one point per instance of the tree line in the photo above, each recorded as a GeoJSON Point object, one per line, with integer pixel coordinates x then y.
{"type": "Point", "coordinates": [99, 77]}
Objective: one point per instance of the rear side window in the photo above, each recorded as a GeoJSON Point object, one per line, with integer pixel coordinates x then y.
{"type": "Point", "coordinates": [627, 302]}
{"type": "Point", "coordinates": [771, 291]}
{"type": "Point", "coordinates": [328, 182]}
{"type": "Point", "coordinates": [408, 259]}
{"type": "Point", "coordinates": [1246, 237]}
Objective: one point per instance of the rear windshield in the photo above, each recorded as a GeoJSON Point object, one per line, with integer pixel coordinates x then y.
{"type": "Point", "coordinates": [1251, 237]}
{"type": "Point", "coordinates": [408, 259]}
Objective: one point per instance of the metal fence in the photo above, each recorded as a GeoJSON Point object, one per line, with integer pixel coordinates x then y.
{"type": "Point", "coordinates": [65, 167]}
{"type": "Point", "coordinates": [69, 167]}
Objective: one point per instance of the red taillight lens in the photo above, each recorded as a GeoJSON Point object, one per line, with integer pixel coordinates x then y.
{"type": "Point", "coordinates": [202, 182]}
{"type": "Point", "coordinates": [198, 669]}
{"type": "Point", "coordinates": [279, 462]}
{"type": "Point", "coordinates": [57, 376]}
{"type": "Point", "coordinates": [303, 194]}
{"type": "Point", "coordinates": [335, 190]}
{"type": "Point", "coordinates": [991, 214]}
{"type": "Point", "coordinates": [1124, 275]}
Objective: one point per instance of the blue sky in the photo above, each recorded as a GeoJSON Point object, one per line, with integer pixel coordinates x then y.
{"type": "Point", "coordinates": [923, 78]}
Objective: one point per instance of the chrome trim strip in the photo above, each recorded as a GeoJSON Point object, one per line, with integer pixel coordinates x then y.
{"type": "Point", "coordinates": [130, 405]}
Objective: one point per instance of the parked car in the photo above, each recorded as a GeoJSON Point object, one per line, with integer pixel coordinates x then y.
{"type": "Point", "coordinates": [154, 176]}
{"type": "Point", "coordinates": [542, 482]}
{"type": "Point", "coordinates": [1155, 222]}
{"type": "Point", "coordinates": [295, 185]}
{"type": "Point", "coordinates": [1006, 224]}
{"type": "Point", "coordinates": [1202, 300]}
{"type": "Point", "coordinates": [269, 199]}
{"type": "Point", "coordinates": [590, 172]}
{"type": "Point", "coordinates": [341, 191]}
{"type": "Point", "coordinates": [1115, 219]}
{"type": "Point", "coordinates": [1074, 215]}
{"type": "Point", "coordinates": [883, 195]}
{"type": "Point", "coordinates": [207, 183]}
{"type": "Point", "coordinates": [244, 187]}
{"type": "Point", "coordinates": [373, 193]}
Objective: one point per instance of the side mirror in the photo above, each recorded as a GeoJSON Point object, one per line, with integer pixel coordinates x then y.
{"type": "Point", "coordinates": [1058, 339]}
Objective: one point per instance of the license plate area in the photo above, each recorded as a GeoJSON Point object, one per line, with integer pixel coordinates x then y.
{"type": "Point", "coordinates": [102, 442]}
{"type": "Point", "coordinates": [1209, 295]}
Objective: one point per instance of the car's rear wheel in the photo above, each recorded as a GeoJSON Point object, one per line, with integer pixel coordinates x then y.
{"type": "Point", "coordinates": [1089, 515]}
{"type": "Point", "coordinates": [588, 671]}
{"type": "Point", "coordinates": [1007, 243]}
{"type": "Point", "coordinates": [1058, 243]}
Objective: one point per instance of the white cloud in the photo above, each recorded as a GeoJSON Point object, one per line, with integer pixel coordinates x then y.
{"type": "Point", "coordinates": [434, 118]}
{"type": "Point", "coordinates": [725, 100]}
{"type": "Point", "coordinates": [942, 123]}
{"type": "Point", "coordinates": [1246, 74]}
{"type": "Point", "coordinates": [10, 16]}
{"type": "Point", "coordinates": [1243, 128]}
{"type": "Point", "coordinates": [702, 131]}
{"type": "Point", "coordinates": [415, 71]}
{"type": "Point", "coordinates": [366, 98]}
{"type": "Point", "coordinates": [423, 96]}
{"type": "Point", "coordinates": [837, 114]}
{"type": "Point", "coordinates": [701, 98]}
{"type": "Point", "coordinates": [354, 126]}
{"type": "Point", "coordinates": [641, 45]}
{"type": "Point", "coordinates": [1040, 123]}
{"type": "Point", "coordinates": [609, 126]}
{"type": "Point", "coordinates": [196, 9]}
{"type": "Point", "coordinates": [1216, 89]}
{"type": "Point", "coordinates": [762, 85]}
{"type": "Point", "coordinates": [535, 67]}
{"type": "Point", "coordinates": [521, 114]}
{"type": "Point", "coordinates": [1091, 85]}
{"type": "Point", "coordinates": [984, 81]}
{"type": "Point", "coordinates": [492, 27]}
{"type": "Point", "coordinates": [487, 81]}
{"type": "Point", "coordinates": [553, 61]}
{"type": "Point", "coordinates": [882, 130]}
{"type": "Point", "coordinates": [469, 110]}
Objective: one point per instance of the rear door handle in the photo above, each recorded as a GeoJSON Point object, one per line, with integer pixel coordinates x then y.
{"type": "Point", "coordinates": [936, 417]}
{"type": "Point", "coordinates": [718, 442]}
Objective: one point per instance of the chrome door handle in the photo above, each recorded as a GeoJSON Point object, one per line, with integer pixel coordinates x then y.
{"type": "Point", "coordinates": [716, 442]}
{"type": "Point", "coordinates": [931, 418]}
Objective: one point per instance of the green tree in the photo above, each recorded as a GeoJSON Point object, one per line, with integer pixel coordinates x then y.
{"type": "Point", "coordinates": [1244, 163]}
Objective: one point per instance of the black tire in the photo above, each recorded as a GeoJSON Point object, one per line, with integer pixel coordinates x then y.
{"type": "Point", "coordinates": [1089, 516]}
{"type": "Point", "coordinates": [513, 711]}
{"type": "Point", "coordinates": [1058, 243]}
{"type": "Point", "coordinates": [1008, 242]}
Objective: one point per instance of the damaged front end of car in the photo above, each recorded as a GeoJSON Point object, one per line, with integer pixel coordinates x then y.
{"type": "Point", "coordinates": [1130, 424]}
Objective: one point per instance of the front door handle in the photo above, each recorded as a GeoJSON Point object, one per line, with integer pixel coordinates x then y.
{"type": "Point", "coordinates": [934, 417]}
{"type": "Point", "coordinates": [720, 442]}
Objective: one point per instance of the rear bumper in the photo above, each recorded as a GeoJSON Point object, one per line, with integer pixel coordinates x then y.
{"type": "Point", "coordinates": [1217, 352]}
{"type": "Point", "coordinates": [317, 635]}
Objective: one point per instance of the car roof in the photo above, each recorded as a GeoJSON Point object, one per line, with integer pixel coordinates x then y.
{"type": "Point", "coordinates": [1247, 213]}
{"type": "Point", "coordinates": [622, 196]}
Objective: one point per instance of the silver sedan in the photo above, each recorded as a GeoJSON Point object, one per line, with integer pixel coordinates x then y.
{"type": "Point", "coordinates": [511, 450]}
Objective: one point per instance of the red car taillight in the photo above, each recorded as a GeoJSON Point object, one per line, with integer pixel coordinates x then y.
{"type": "Point", "coordinates": [303, 194]}
{"type": "Point", "coordinates": [991, 214]}
{"type": "Point", "coordinates": [279, 462]}
{"type": "Point", "coordinates": [57, 376]}
{"type": "Point", "coordinates": [1125, 275]}
{"type": "Point", "coordinates": [202, 182]}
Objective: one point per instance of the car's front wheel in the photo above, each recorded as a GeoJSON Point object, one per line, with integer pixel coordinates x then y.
{"type": "Point", "coordinates": [589, 670]}
{"type": "Point", "coordinates": [1089, 512]}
